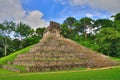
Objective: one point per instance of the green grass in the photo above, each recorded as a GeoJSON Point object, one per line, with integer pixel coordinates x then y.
{"type": "Point", "coordinates": [6, 72]}
{"type": "Point", "coordinates": [105, 74]}
{"type": "Point", "coordinates": [75, 69]}
{"type": "Point", "coordinates": [115, 59]}
{"type": "Point", "coordinates": [13, 55]}
{"type": "Point", "coordinates": [21, 68]}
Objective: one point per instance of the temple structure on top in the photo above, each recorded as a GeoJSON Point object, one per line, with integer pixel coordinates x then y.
{"type": "Point", "coordinates": [53, 29]}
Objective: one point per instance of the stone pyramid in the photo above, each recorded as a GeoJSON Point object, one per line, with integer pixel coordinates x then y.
{"type": "Point", "coordinates": [54, 52]}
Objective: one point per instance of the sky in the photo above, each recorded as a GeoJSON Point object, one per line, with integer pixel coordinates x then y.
{"type": "Point", "coordinates": [38, 13]}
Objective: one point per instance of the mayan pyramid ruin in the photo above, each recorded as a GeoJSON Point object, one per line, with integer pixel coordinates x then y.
{"type": "Point", "coordinates": [54, 52]}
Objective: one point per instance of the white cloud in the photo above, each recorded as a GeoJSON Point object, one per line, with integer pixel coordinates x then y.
{"type": "Point", "coordinates": [13, 10]}
{"type": "Point", "coordinates": [34, 18]}
{"type": "Point", "coordinates": [109, 5]}
{"type": "Point", "coordinates": [89, 15]}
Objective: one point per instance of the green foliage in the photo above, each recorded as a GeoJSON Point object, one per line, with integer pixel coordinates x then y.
{"type": "Point", "coordinates": [31, 40]}
{"type": "Point", "coordinates": [65, 30]}
{"type": "Point", "coordinates": [85, 21]}
{"type": "Point", "coordinates": [14, 37]}
{"type": "Point", "coordinates": [108, 40]}
{"type": "Point", "coordinates": [6, 29]}
{"type": "Point", "coordinates": [90, 42]}
{"type": "Point", "coordinates": [70, 21]}
{"type": "Point", "coordinates": [117, 16]}
{"type": "Point", "coordinates": [39, 32]}
{"type": "Point", "coordinates": [104, 23]}
{"type": "Point", "coordinates": [23, 30]}
{"type": "Point", "coordinates": [12, 56]}
{"type": "Point", "coordinates": [115, 59]}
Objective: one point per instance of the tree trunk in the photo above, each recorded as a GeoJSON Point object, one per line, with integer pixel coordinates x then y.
{"type": "Point", "coordinates": [5, 53]}
{"type": "Point", "coordinates": [108, 54]}
{"type": "Point", "coordinates": [85, 34]}
{"type": "Point", "coordinates": [5, 47]}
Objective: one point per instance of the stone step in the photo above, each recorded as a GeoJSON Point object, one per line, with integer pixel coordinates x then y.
{"type": "Point", "coordinates": [51, 55]}
{"type": "Point", "coordinates": [49, 58]}
{"type": "Point", "coordinates": [47, 62]}
{"type": "Point", "coordinates": [52, 68]}
{"type": "Point", "coordinates": [12, 68]}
